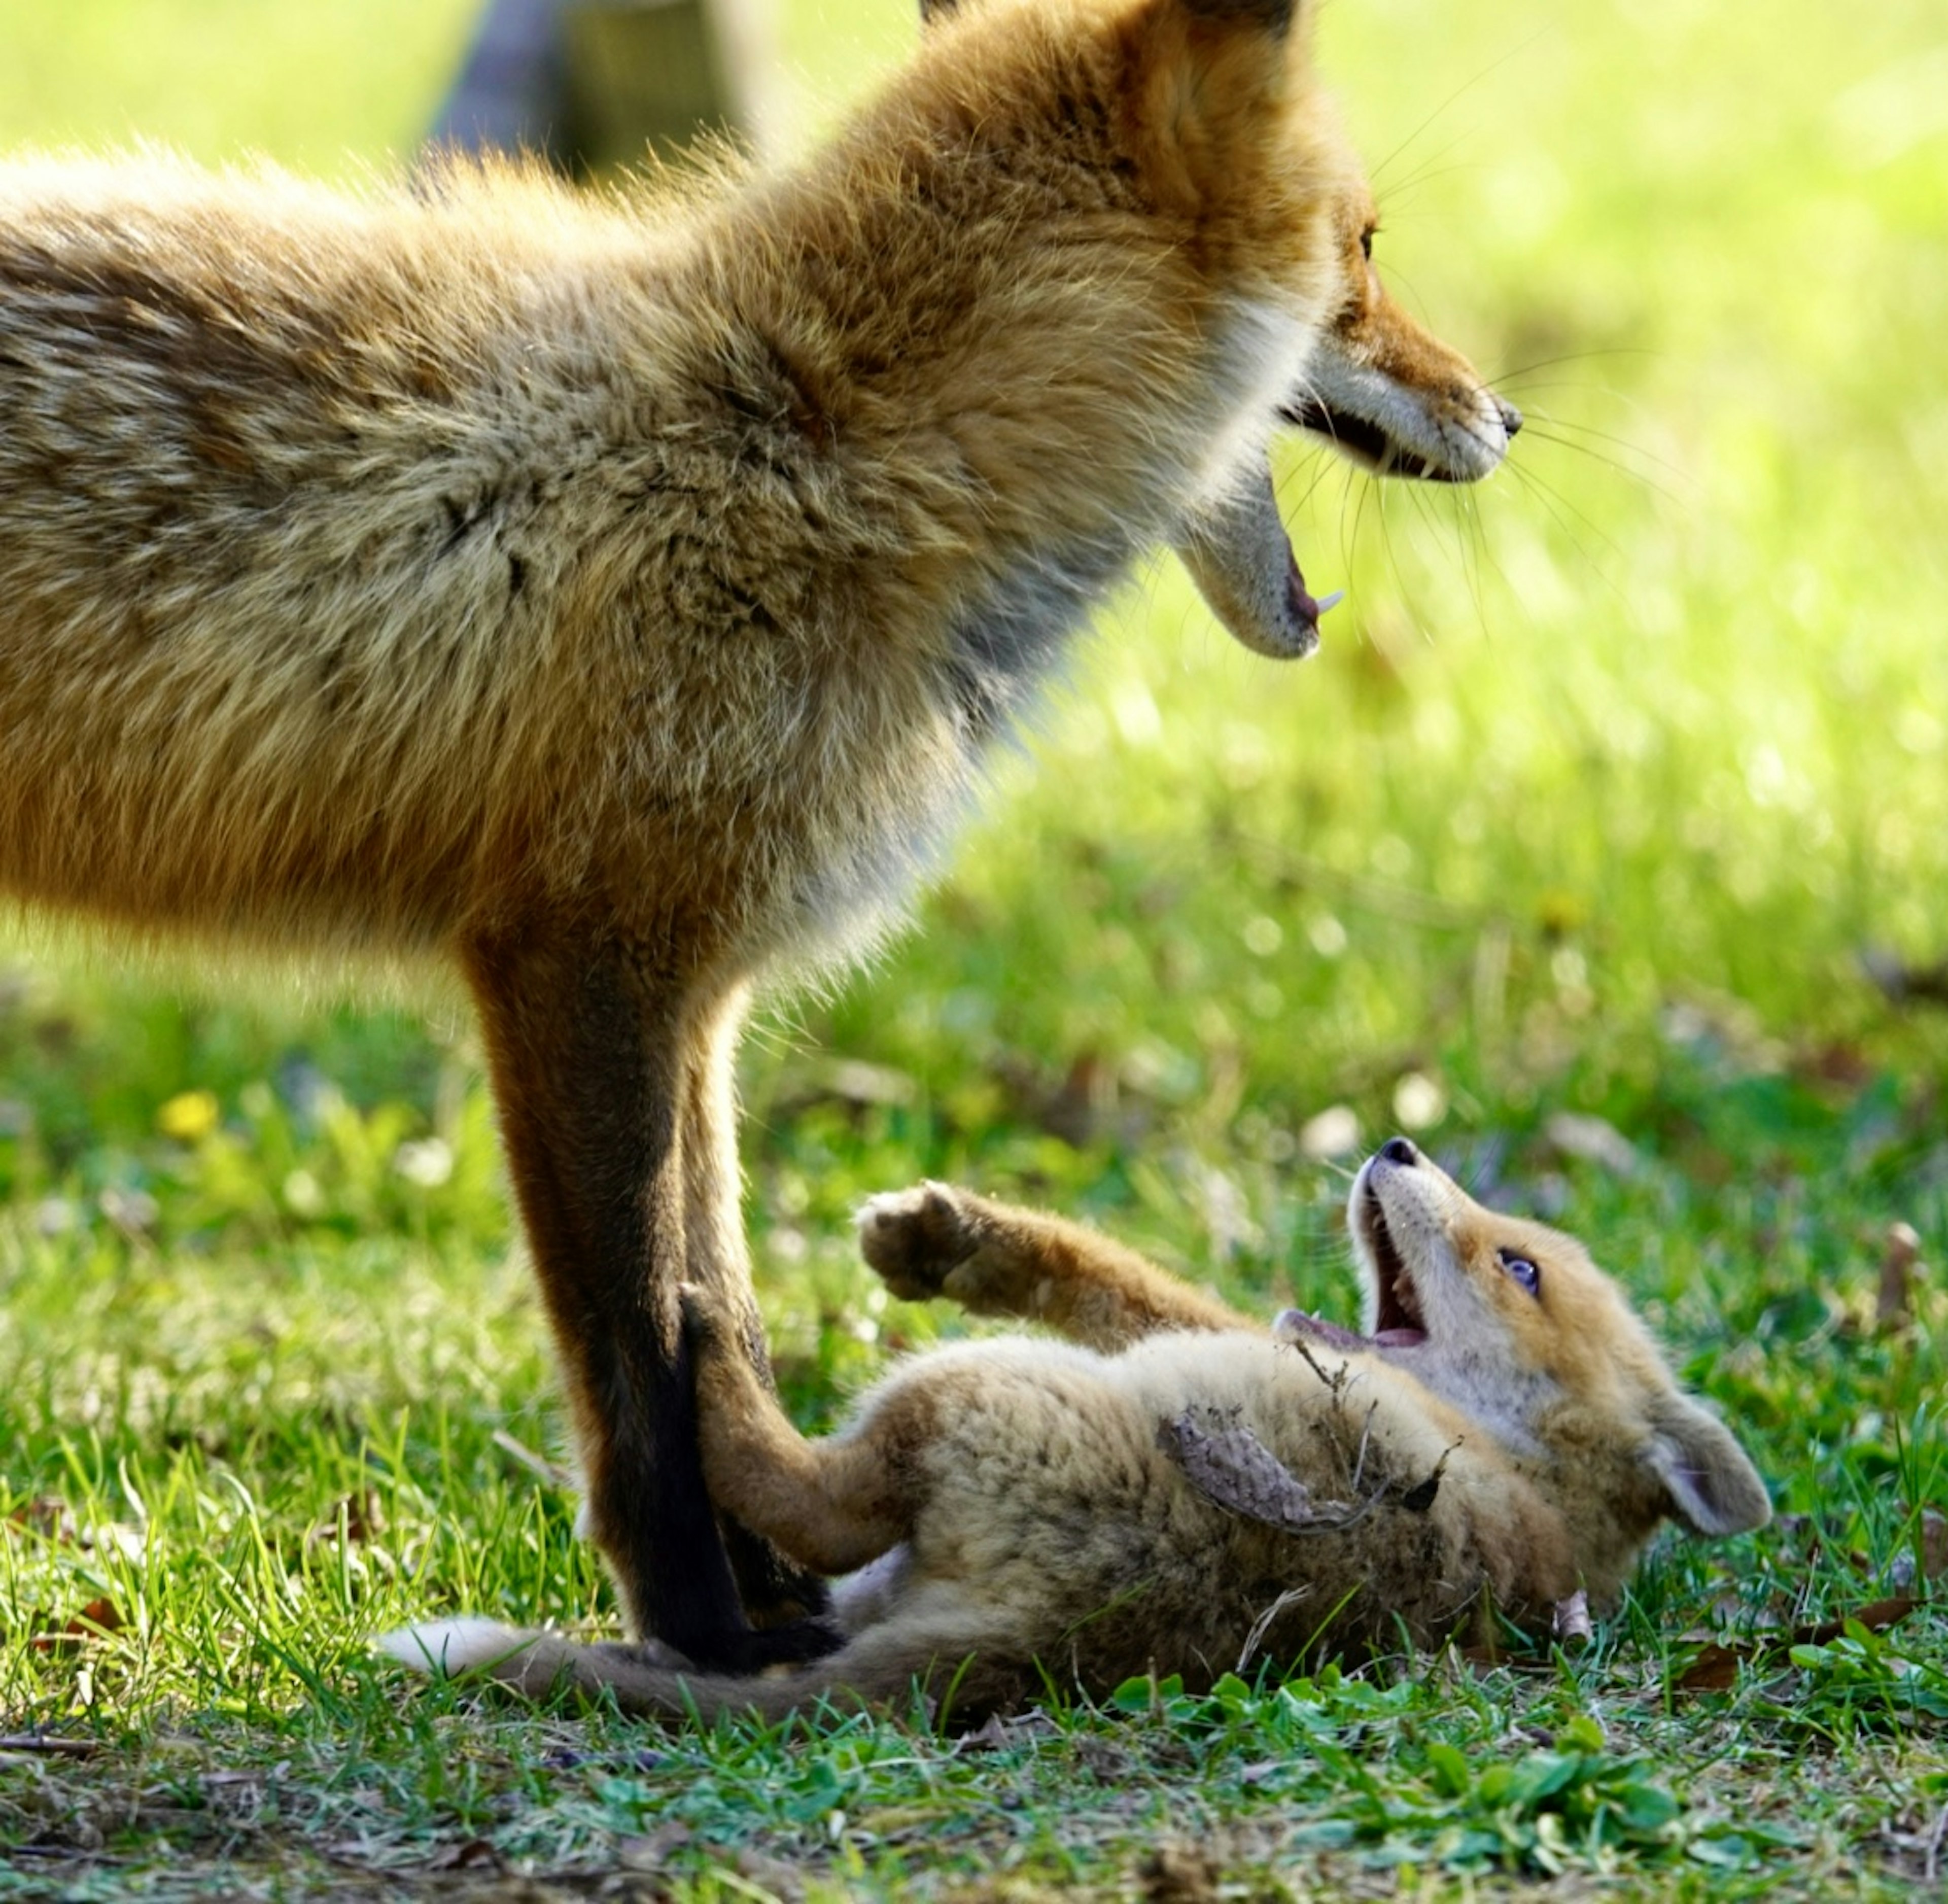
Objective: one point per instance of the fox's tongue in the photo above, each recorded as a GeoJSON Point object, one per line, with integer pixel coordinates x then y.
{"type": "Point", "coordinates": [1238, 554]}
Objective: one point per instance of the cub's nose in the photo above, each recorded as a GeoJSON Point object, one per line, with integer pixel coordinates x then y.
{"type": "Point", "coordinates": [1512, 417]}
{"type": "Point", "coordinates": [1398, 1150]}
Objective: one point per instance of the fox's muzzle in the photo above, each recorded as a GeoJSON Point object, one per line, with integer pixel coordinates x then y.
{"type": "Point", "coordinates": [1367, 443]}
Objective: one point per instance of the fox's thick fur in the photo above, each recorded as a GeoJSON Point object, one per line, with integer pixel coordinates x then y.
{"type": "Point", "coordinates": [616, 596]}
{"type": "Point", "coordinates": [1177, 1488]}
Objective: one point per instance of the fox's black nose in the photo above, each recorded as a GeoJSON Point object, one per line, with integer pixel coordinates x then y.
{"type": "Point", "coordinates": [1398, 1150]}
{"type": "Point", "coordinates": [1512, 417]}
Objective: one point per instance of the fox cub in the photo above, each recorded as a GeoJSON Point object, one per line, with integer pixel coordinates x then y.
{"type": "Point", "coordinates": [614, 597]}
{"type": "Point", "coordinates": [1175, 1486]}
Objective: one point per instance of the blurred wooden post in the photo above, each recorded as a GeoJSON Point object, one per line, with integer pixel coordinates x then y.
{"type": "Point", "coordinates": [591, 85]}
{"type": "Point", "coordinates": [509, 93]}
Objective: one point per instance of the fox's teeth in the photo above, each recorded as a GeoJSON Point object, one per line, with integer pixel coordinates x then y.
{"type": "Point", "coordinates": [1332, 600]}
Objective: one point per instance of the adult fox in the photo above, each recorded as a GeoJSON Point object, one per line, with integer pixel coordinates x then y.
{"type": "Point", "coordinates": [616, 596]}
{"type": "Point", "coordinates": [1178, 1488]}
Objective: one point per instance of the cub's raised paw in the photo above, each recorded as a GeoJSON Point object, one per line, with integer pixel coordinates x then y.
{"type": "Point", "coordinates": [915, 1239]}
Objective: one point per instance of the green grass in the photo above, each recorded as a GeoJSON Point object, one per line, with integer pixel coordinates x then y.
{"type": "Point", "coordinates": [1608, 775]}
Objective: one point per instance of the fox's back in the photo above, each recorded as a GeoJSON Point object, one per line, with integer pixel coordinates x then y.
{"type": "Point", "coordinates": [1090, 1501]}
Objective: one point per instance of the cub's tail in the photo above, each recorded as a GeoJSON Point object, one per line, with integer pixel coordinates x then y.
{"type": "Point", "coordinates": [880, 1669]}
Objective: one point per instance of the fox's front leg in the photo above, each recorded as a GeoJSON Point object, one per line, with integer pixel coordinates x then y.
{"type": "Point", "coordinates": [996, 1260]}
{"type": "Point", "coordinates": [588, 1038]}
{"type": "Point", "coordinates": [832, 1505]}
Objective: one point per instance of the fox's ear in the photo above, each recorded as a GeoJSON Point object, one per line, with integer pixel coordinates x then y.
{"type": "Point", "coordinates": [1714, 1489]}
{"type": "Point", "coordinates": [1273, 16]}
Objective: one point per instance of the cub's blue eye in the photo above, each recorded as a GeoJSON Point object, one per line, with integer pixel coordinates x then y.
{"type": "Point", "coordinates": [1522, 1270]}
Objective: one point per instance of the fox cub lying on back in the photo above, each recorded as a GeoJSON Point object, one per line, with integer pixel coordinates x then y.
{"type": "Point", "coordinates": [1174, 1486]}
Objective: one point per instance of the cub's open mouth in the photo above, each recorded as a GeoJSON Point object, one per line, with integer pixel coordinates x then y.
{"type": "Point", "coordinates": [1400, 1323]}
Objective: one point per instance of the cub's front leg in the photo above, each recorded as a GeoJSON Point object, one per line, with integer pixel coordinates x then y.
{"type": "Point", "coordinates": [996, 1260]}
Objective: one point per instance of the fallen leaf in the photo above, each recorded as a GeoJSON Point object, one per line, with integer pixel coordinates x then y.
{"type": "Point", "coordinates": [1716, 1667]}
{"type": "Point", "coordinates": [1571, 1618]}
{"type": "Point", "coordinates": [1876, 1616]}
{"type": "Point", "coordinates": [999, 1733]}
{"type": "Point", "coordinates": [1230, 1467]}
{"type": "Point", "coordinates": [475, 1854]}
{"type": "Point", "coordinates": [96, 1621]}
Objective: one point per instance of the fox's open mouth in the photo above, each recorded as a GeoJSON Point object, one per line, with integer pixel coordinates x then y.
{"type": "Point", "coordinates": [1395, 1174]}
{"type": "Point", "coordinates": [1400, 1323]}
{"type": "Point", "coordinates": [1363, 442]}
{"type": "Point", "coordinates": [1240, 557]}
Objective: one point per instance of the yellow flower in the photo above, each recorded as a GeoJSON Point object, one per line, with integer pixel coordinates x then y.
{"type": "Point", "coordinates": [188, 1116]}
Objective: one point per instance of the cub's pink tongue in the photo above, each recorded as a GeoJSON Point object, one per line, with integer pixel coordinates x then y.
{"type": "Point", "coordinates": [1238, 554]}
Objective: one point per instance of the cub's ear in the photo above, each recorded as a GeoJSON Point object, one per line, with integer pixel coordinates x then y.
{"type": "Point", "coordinates": [1714, 1489]}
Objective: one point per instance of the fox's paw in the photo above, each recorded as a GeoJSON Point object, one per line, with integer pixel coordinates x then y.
{"type": "Point", "coordinates": [915, 1239]}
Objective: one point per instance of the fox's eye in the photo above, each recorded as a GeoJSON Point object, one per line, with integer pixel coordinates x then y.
{"type": "Point", "coordinates": [1522, 1270]}
{"type": "Point", "coordinates": [1366, 242]}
